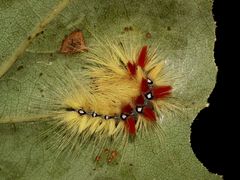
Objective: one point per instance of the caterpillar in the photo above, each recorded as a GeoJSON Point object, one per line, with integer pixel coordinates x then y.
{"type": "Point", "coordinates": [119, 93]}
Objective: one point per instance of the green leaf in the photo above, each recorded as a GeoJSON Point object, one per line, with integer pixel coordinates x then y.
{"type": "Point", "coordinates": [31, 35]}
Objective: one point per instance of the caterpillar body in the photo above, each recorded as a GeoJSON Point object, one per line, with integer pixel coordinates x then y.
{"type": "Point", "coordinates": [118, 94]}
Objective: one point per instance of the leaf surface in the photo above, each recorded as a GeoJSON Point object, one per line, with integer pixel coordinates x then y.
{"type": "Point", "coordinates": [31, 34]}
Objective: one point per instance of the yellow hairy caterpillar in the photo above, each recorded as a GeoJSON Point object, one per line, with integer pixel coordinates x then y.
{"type": "Point", "coordinates": [118, 94]}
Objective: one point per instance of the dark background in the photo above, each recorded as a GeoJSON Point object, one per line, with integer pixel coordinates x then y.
{"type": "Point", "coordinates": [208, 136]}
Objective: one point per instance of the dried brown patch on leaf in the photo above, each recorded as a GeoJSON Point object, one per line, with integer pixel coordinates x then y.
{"type": "Point", "coordinates": [73, 43]}
{"type": "Point", "coordinates": [108, 156]}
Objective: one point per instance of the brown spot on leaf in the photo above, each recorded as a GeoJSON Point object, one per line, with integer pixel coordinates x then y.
{"type": "Point", "coordinates": [73, 43]}
{"type": "Point", "coordinates": [126, 29]}
{"type": "Point", "coordinates": [107, 156]}
{"type": "Point", "coordinates": [19, 67]}
{"type": "Point", "coordinates": [106, 150]}
{"type": "Point", "coordinates": [112, 156]}
{"type": "Point", "coordinates": [97, 158]}
{"type": "Point", "coordinates": [148, 35]}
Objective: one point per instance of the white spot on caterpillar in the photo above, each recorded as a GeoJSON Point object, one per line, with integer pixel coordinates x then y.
{"type": "Point", "coordinates": [81, 112]}
{"type": "Point", "coordinates": [149, 96]}
{"type": "Point", "coordinates": [123, 116]}
{"type": "Point", "coordinates": [94, 114]}
{"type": "Point", "coordinates": [149, 81]}
{"type": "Point", "coordinates": [139, 109]}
